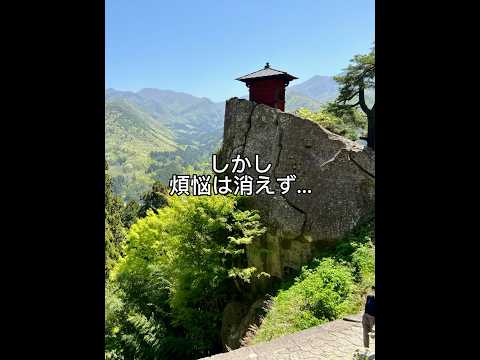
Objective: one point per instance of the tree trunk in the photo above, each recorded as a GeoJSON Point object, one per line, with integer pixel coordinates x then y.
{"type": "Point", "coordinates": [371, 129]}
{"type": "Point", "coordinates": [370, 117]}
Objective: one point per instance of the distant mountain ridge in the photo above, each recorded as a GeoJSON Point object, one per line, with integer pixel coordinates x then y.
{"type": "Point", "coordinates": [320, 88]}
{"type": "Point", "coordinates": [152, 134]}
{"type": "Point", "coordinates": [168, 104]}
{"type": "Point", "coordinates": [156, 133]}
{"type": "Point", "coordinates": [132, 123]}
{"type": "Point", "coordinates": [170, 107]}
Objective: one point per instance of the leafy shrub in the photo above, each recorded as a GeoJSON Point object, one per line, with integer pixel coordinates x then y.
{"type": "Point", "coordinates": [351, 116]}
{"type": "Point", "coordinates": [363, 262]}
{"type": "Point", "coordinates": [145, 338]}
{"type": "Point", "coordinates": [182, 265]}
{"type": "Point", "coordinates": [327, 289]}
{"type": "Point", "coordinates": [115, 317]}
{"type": "Point", "coordinates": [319, 294]}
{"type": "Point", "coordinates": [330, 122]}
{"type": "Point", "coordinates": [331, 286]}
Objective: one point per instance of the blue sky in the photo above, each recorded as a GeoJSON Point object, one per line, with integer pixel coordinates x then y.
{"type": "Point", "coordinates": [200, 47]}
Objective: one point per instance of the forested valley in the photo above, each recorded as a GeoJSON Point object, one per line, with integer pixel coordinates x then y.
{"type": "Point", "coordinates": [173, 263]}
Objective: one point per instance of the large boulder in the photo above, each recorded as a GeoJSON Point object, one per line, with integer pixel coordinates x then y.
{"type": "Point", "coordinates": [340, 174]}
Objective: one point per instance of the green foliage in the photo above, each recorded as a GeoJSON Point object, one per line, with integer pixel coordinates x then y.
{"type": "Point", "coordinates": [130, 213]}
{"type": "Point", "coordinates": [145, 338]}
{"type": "Point", "coordinates": [363, 262]}
{"type": "Point", "coordinates": [350, 116]}
{"type": "Point", "coordinates": [114, 229]}
{"type": "Point", "coordinates": [114, 316]}
{"type": "Point", "coordinates": [357, 77]}
{"type": "Point", "coordinates": [317, 296]}
{"type": "Point", "coordinates": [331, 286]}
{"type": "Point", "coordinates": [338, 125]}
{"type": "Point", "coordinates": [130, 136]}
{"type": "Point", "coordinates": [182, 265]}
{"type": "Point", "coordinates": [154, 199]}
{"type": "Point", "coordinates": [141, 148]}
{"type": "Point", "coordinates": [184, 258]}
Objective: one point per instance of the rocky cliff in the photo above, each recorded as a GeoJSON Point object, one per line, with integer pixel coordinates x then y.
{"type": "Point", "coordinates": [340, 174]}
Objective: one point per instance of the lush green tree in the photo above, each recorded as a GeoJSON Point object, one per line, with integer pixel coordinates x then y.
{"type": "Point", "coordinates": [351, 116]}
{"type": "Point", "coordinates": [114, 229]}
{"type": "Point", "coordinates": [130, 213]}
{"type": "Point", "coordinates": [154, 199]}
{"type": "Point", "coordinates": [182, 265]}
{"type": "Point", "coordinates": [358, 77]}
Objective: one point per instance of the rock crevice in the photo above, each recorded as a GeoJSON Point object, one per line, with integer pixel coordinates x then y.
{"type": "Point", "coordinates": [279, 129]}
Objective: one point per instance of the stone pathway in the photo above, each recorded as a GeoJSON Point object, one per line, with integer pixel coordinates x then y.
{"type": "Point", "coordinates": [338, 339]}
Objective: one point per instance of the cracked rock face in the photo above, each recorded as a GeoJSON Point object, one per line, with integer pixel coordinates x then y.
{"type": "Point", "coordinates": [339, 173]}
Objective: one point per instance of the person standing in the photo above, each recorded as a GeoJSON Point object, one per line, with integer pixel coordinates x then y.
{"type": "Point", "coordinates": [368, 320]}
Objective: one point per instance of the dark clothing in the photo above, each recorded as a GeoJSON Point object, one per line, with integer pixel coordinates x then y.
{"type": "Point", "coordinates": [368, 322]}
{"type": "Point", "coordinates": [368, 319]}
{"type": "Point", "coordinates": [370, 305]}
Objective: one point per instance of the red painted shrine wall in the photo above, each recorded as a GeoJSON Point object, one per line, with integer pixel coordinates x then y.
{"type": "Point", "coordinates": [270, 92]}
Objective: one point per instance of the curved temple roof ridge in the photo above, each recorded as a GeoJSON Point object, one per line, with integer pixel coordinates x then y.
{"type": "Point", "coordinates": [267, 71]}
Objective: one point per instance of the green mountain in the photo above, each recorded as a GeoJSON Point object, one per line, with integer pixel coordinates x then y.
{"type": "Point", "coordinates": [152, 134]}
{"type": "Point", "coordinates": [131, 135]}
{"type": "Point", "coordinates": [190, 118]}
{"type": "Point", "coordinates": [294, 101]}
{"type": "Point", "coordinates": [126, 122]}
{"type": "Point", "coordinates": [311, 94]}
{"type": "Point", "coordinates": [319, 88]}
